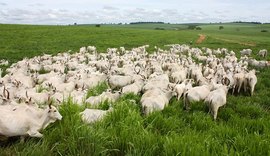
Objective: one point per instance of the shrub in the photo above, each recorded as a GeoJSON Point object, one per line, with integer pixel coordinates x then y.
{"type": "Point", "coordinates": [198, 28]}
{"type": "Point", "coordinates": [98, 25]}
{"type": "Point", "coordinates": [264, 30]}
{"type": "Point", "coordinates": [159, 29]}
{"type": "Point", "coordinates": [221, 27]}
{"type": "Point", "coordinates": [192, 27]}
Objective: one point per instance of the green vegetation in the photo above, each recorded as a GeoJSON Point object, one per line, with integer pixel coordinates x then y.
{"type": "Point", "coordinates": [221, 27]}
{"type": "Point", "coordinates": [192, 27]}
{"type": "Point", "coordinates": [242, 128]}
{"type": "Point", "coordinates": [198, 28]}
{"type": "Point", "coordinates": [18, 41]}
{"type": "Point", "coordinates": [159, 29]}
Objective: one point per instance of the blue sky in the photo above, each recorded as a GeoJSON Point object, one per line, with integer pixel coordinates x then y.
{"type": "Point", "coordinates": [125, 11]}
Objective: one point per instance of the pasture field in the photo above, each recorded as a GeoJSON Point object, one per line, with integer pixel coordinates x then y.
{"type": "Point", "coordinates": [242, 127]}
{"type": "Point", "coordinates": [19, 41]}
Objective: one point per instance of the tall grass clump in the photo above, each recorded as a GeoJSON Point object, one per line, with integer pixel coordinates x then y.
{"type": "Point", "coordinates": [101, 87]}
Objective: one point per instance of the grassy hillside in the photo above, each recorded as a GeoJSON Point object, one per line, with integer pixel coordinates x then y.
{"type": "Point", "coordinates": [18, 41]}
{"type": "Point", "coordinates": [152, 26]}
{"type": "Point", "coordinates": [242, 128]}
{"type": "Point", "coordinates": [239, 36]}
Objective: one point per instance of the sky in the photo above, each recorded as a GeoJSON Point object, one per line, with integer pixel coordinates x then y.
{"type": "Point", "coordinates": [125, 11]}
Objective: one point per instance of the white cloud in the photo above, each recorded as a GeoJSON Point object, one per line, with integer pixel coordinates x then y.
{"type": "Point", "coordinates": [36, 5]}
{"type": "Point", "coordinates": [110, 8]}
{"type": "Point", "coordinates": [107, 11]}
{"type": "Point", "coordinates": [3, 4]}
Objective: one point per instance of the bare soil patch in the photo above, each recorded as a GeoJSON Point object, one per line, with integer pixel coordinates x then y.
{"type": "Point", "coordinates": [201, 38]}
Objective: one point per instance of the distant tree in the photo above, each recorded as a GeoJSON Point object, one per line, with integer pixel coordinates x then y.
{"type": "Point", "coordinates": [221, 27]}
{"type": "Point", "coordinates": [97, 25]}
{"type": "Point", "coordinates": [159, 28]}
{"type": "Point", "coordinates": [247, 22]}
{"type": "Point", "coordinates": [264, 30]}
{"type": "Point", "coordinates": [75, 23]}
{"type": "Point", "coordinates": [198, 28]}
{"type": "Point", "coordinates": [192, 27]}
{"type": "Point", "coordinates": [146, 23]}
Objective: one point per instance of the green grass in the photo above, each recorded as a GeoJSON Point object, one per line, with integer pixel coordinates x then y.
{"type": "Point", "coordinates": [238, 36]}
{"type": "Point", "coordinates": [152, 26]}
{"type": "Point", "coordinates": [19, 41]}
{"type": "Point", "coordinates": [242, 127]}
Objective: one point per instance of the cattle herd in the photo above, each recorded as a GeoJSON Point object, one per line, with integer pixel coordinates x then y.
{"type": "Point", "coordinates": [192, 74]}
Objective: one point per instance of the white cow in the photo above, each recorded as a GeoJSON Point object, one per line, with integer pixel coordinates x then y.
{"type": "Point", "coordinates": [262, 53]}
{"type": "Point", "coordinates": [93, 115]}
{"type": "Point", "coordinates": [250, 81]}
{"type": "Point", "coordinates": [119, 81]}
{"type": "Point", "coordinates": [21, 124]}
{"type": "Point", "coordinates": [216, 99]}
{"type": "Point", "coordinates": [196, 94]}
{"type": "Point", "coordinates": [155, 99]}
{"type": "Point", "coordinates": [246, 52]}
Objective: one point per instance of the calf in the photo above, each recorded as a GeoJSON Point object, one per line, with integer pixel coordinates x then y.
{"type": "Point", "coordinates": [216, 99]}
{"type": "Point", "coordinates": [196, 94]}
{"type": "Point", "coordinates": [250, 81]}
